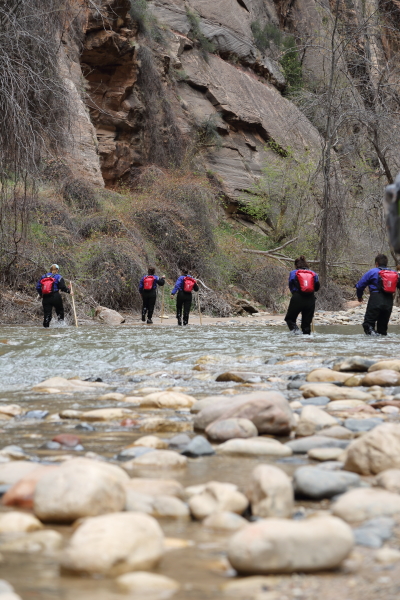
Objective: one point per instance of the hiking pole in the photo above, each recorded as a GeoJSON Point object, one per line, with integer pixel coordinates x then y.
{"type": "Point", "coordinates": [73, 304]}
{"type": "Point", "coordinates": [162, 305]}
{"type": "Point", "coordinates": [312, 326]}
{"type": "Point", "coordinates": [198, 304]}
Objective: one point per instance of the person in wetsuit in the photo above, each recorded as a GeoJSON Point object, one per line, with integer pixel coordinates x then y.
{"type": "Point", "coordinates": [148, 291]}
{"type": "Point", "coordinates": [184, 286]}
{"type": "Point", "coordinates": [49, 291]}
{"type": "Point", "coordinates": [302, 283]}
{"type": "Point", "coordinates": [380, 303]}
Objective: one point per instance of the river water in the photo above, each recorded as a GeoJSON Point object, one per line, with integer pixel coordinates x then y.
{"type": "Point", "coordinates": [129, 358]}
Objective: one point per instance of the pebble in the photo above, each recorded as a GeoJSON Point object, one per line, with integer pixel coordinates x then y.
{"type": "Point", "coordinates": [389, 480]}
{"type": "Point", "coordinates": [227, 429]}
{"type": "Point", "coordinates": [316, 483]}
{"type": "Point", "coordinates": [357, 425]}
{"type": "Point", "coordinates": [143, 584]}
{"type": "Point", "coordinates": [198, 446]}
{"type": "Point", "coordinates": [36, 414]}
{"type": "Point", "coordinates": [224, 521]}
{"type": "Point", "coordinates": [158, 459]}
{"type": "Point", "coordinates": [374, 532]}
{"type": "Point", "coordinates": [179, 442]}
{"type": "Point", "coordinates": [151, 441]}
{"type": "Point", "coordinates": [216, 497]}
{"type": "Point", "coordinates": [316, 401]}
{"type": "Point", "coordinates": [387, 556]}
{"type": "Point", "coordinates": [376, 451]}
{"type": "Point", "coordinates": [270, 492]}
{"type": "Point", "coordinates": [325, 454]}
{"type": "Point", "coordinates": [366, 503]}
{"type": "Point", "coordinates": [303, 445]}
{"type": "Point", "coordinates": [257, 446]}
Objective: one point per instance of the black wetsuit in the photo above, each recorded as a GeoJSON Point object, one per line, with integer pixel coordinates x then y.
{"type": "Point", "coordinates": [149, 297]}
{"type": "Point", "coordinates": [53, 300]}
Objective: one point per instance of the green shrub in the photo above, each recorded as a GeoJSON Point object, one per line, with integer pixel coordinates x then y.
{"type": "Point", "coordinates": [291, 64]}
{"type": "Point", "coordinates": [207, 134]}
{"type": "Point", "coordinates": [263, 35]}
{"type": "Point", "coordinates": [196, 34]}
{"type": "Point", "coordinates": [147, 23]}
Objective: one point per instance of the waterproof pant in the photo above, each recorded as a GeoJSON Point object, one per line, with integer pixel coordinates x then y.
{"type": "Point", "coordinates": [304, 304]}
{"type": "Point", "coordinates": [183, 300]}
{"type": "Point", "coordinates": [379, 309]}
{"type": "Point", "coordinates": [149, 300]}
{"type": "Point", "coordinates": [49, 301]}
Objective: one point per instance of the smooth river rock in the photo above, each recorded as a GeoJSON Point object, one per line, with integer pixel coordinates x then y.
{"type": "Point", "coordinates": [144, 584]}
{"type": "Point", "coordinates": [155, 487]}
{"type": "Point", "coordinates": [333, 392]}
{"type": "Point", "coordinates": [270, 492]}
{"type": "Point", "coordinates": [326, 375]}
{"type": "Point", "coordinates": [366, 503]}
{"type": "Point", "coordinates": [157, 506]}
{"type": "Point", "coordinates": [389, 480]}
{"type": "Point", "coordinates": [269, 411]}
{"type": "Point", "coordinates": [22, 492]}
{"type": "Point", "coordinates": [215, 497]}
{"type": "Point", "coordinates": [174, 400]}
{"type": "Point", "coordinates": [79, 488]}
{"type": "Point", "coordinates": [382, 377]}
{"type": "Point", "coordinates": [151, 441]}
{"type": "Point", "coordinates": [158, 459]}
{"type": "Point", "coordinates": [16, 522]}
{"type": "Point", "coordinates": [198, 446]}
{"type": "Point", "coordinates": [224, 521]}
{"type": "Point", "coordinates": [303, 445]}
{"type": "Point", "coordinates": [280, 545]}
{"type": "Point", "coordinates": [227, 429]}
{"type": "Point", "coordinates": [357, 425]}
{"type": "Point", "coordinates": [316, 483]}
{"type": "Point", "coordinates": [257, 446]}
{"type": "Point", "coordinates": [312, 419]}
{"type": "Point", "coordinates": [355, 363]}
{"type": "Point", "coordinates": [114, 544]}
{"type": "Point", "coordinates": [392, 365]}
{"type": "Point", "coordinates": [45, 541]}
{"type": "Point", "coordinates": [376, 451]}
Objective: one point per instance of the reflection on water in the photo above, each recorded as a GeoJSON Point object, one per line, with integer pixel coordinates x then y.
{"type": "Point", "coordinates": [161, 357]}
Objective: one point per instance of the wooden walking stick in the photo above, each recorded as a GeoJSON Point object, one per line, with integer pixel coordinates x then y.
{"type": "Point", "coordinates": [312, 326]}
{"type": "Point", "coordinates": [198, 304]}
{"type": "Point", "coordinates": [162, 305]}
{"type": "Point", "coordinates": [73, 304]}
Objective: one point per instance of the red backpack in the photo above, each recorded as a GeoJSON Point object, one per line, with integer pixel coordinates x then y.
{"type": "Point", "coordinates": [46, 284]}
{"type": "Point", "coordinates": [388, 281]}
{"type": "Point", "coordinates": [148, 282]}
{"type": "Point", "coordinates": [188, 284]}
{"type": "Point", "coordinates": [306, 281]}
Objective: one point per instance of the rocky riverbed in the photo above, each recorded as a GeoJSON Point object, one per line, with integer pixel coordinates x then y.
{"type": "Point", "coordinates": [136, 464]}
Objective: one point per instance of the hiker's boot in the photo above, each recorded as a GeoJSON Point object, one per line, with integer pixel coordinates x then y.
{"type": "Point", "coordinates": [46, 321]}
{"type": "Point", "coordinates": [185, 319]}
{"type": "Point", "coordinates": [179, 320]}
{"type": "Point", "coordinates": [144, 314]}
{"type": "Point", "coordinates": [296, 330]}
{"type": "Point", "coordinates": [149, 322]}
{"type": "Point", "coordinates": [369, 330]}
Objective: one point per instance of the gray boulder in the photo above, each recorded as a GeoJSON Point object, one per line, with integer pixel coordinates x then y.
{"type": "Point", "coordinates": [317, 483]}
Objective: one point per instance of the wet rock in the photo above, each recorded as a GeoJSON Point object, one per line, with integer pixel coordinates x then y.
{"type": "Point", "coordinates": [156, 506]}
{"type": "Point", "coordinates": [11, 410]}
{"type": "Point", "coordinates": [84, 427]}
{"type": "Point", "coordinates": [70, 414]}
{"type": "Point", "coordinates": [114, 544]}
{"type": "Point", "coordinates": [16, 522]}
{"type": "Point", "coordinates": [376, 451]}
{"type": "Point", "coordinates": [357, 425]}
{"type": "Point", "coordinates": [303, 445]}
{"type": "Point", "coordinates": [374, 532]}
{"type": "Point", "coordinates": [158, 459]}
{"type": "Point", "coordinates": [179, 442]}
{"type": "Point", "coordinates": [366, 503]}
{"type": "Point", "coordinates": [142, 583]}
{"type": "Point", "coordinates": [155, 487]}
{"type": "Point", "coordinates": [129, 453]}
{"type": "Point", "coordinates": [14, 452]}
{"type": "Point", "coordinates": [198, 446]}
{"type": "Point", "coordinates": [79, 488]}
{"type": "Point", "coordinates": [316, 401]}
{"type": "Point", "coordinates": [393, 365]}
{"type": "Point", "coordinates": [356, 363]}
{"type": "Point", "coordinates": [239, 377]}
{"type": "Point", "coordinates": [151, 441]}
{"type": "Point", "coordinates": [257, 446]}
{"type": "Point", "coordinates": [325, 454]}
{"type": "Point", "coordinates": [326, 375]}
{"type": "Point", "coordinates": [387, 556]}
{"type": "Point", "coordinates": [5, 587]}
{"type": "Point", "coordinates": [317, 483]}
{"type": "Point", "coordinates": [224, 521]}
{"type": "Point", "coordinates": [338, 432]}
{"type": "Point", "coordinates": [313, 419]}
{"type": "Point", "coordinates": [269, 412]}
{"type": "Point", "coordinates": [279, 545]}
{"type": "Point", "coordinates": [108, 316]}
{"type": "Point", "coordinates": [105, 414]}
{"type": "Point", "coordinates": [21, 493]}
{"type": "Point", "coordinates": [295, 385]}
{"type": "Point", "coordinates": [174, 400]}
{"type": "Point", "coordinates": [162, 425]}
{"type": "Point", "coordinates": [270, 492]}
{"type": "Point", "coordinates": [113, 396]}
{"type": "Point", "coordinates": [216, 496]}
{"type": "Point", "coordinates": [354, 380]}
{"type": "Point", "coordinates": [36, 414]}
{"type": "Point", "coordinates": [11, 472]}
{"type": "Point", "coordinates": [67, 385]}
{"type": "Point", "coordinates": [50, 446]}
{"type": "Point", "coordinates": [46, 542]}
{"type": "Point", "coordinates": [67, 439]}
{"type": "Point", "coordinates": [227, 429]}
{"type": "Point", "coordinates": [333, 392]}
{"type": "Point", "coordinates": [200, 404]}
{"type": "Point", "coordinates": [389, 480]}
{"type": "Point", "coordinates": [384, 377]}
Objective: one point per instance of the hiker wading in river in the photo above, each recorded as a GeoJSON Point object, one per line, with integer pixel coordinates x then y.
{"type": "Point", "coordinates": [382, 283]}
{"type": "Point", "coordinates": [148, 291]}
{"type": "Point", "coordinates": [48, 288]}
{"type": "Point", "coordinates": [302, 283]}
{"type": "Point", "coordinates": [184, 285]}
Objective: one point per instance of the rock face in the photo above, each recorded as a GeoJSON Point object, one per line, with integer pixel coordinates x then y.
{"type": "Point", "coordinates": [278, 545]}
{"type": "Point", "coordinates": [80, 488]}
{"type": "Point", "coordinates": [375, 451]}
{"type": "Point", "coordinates": [114, 544]}
{"type": "Point", "coordinates": [269, 412]}
{"type": "Point", "coordinates": [270, 492]}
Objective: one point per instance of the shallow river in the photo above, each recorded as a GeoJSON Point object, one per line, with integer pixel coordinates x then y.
{"type": "Point", "coordinates": [161, 357]}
